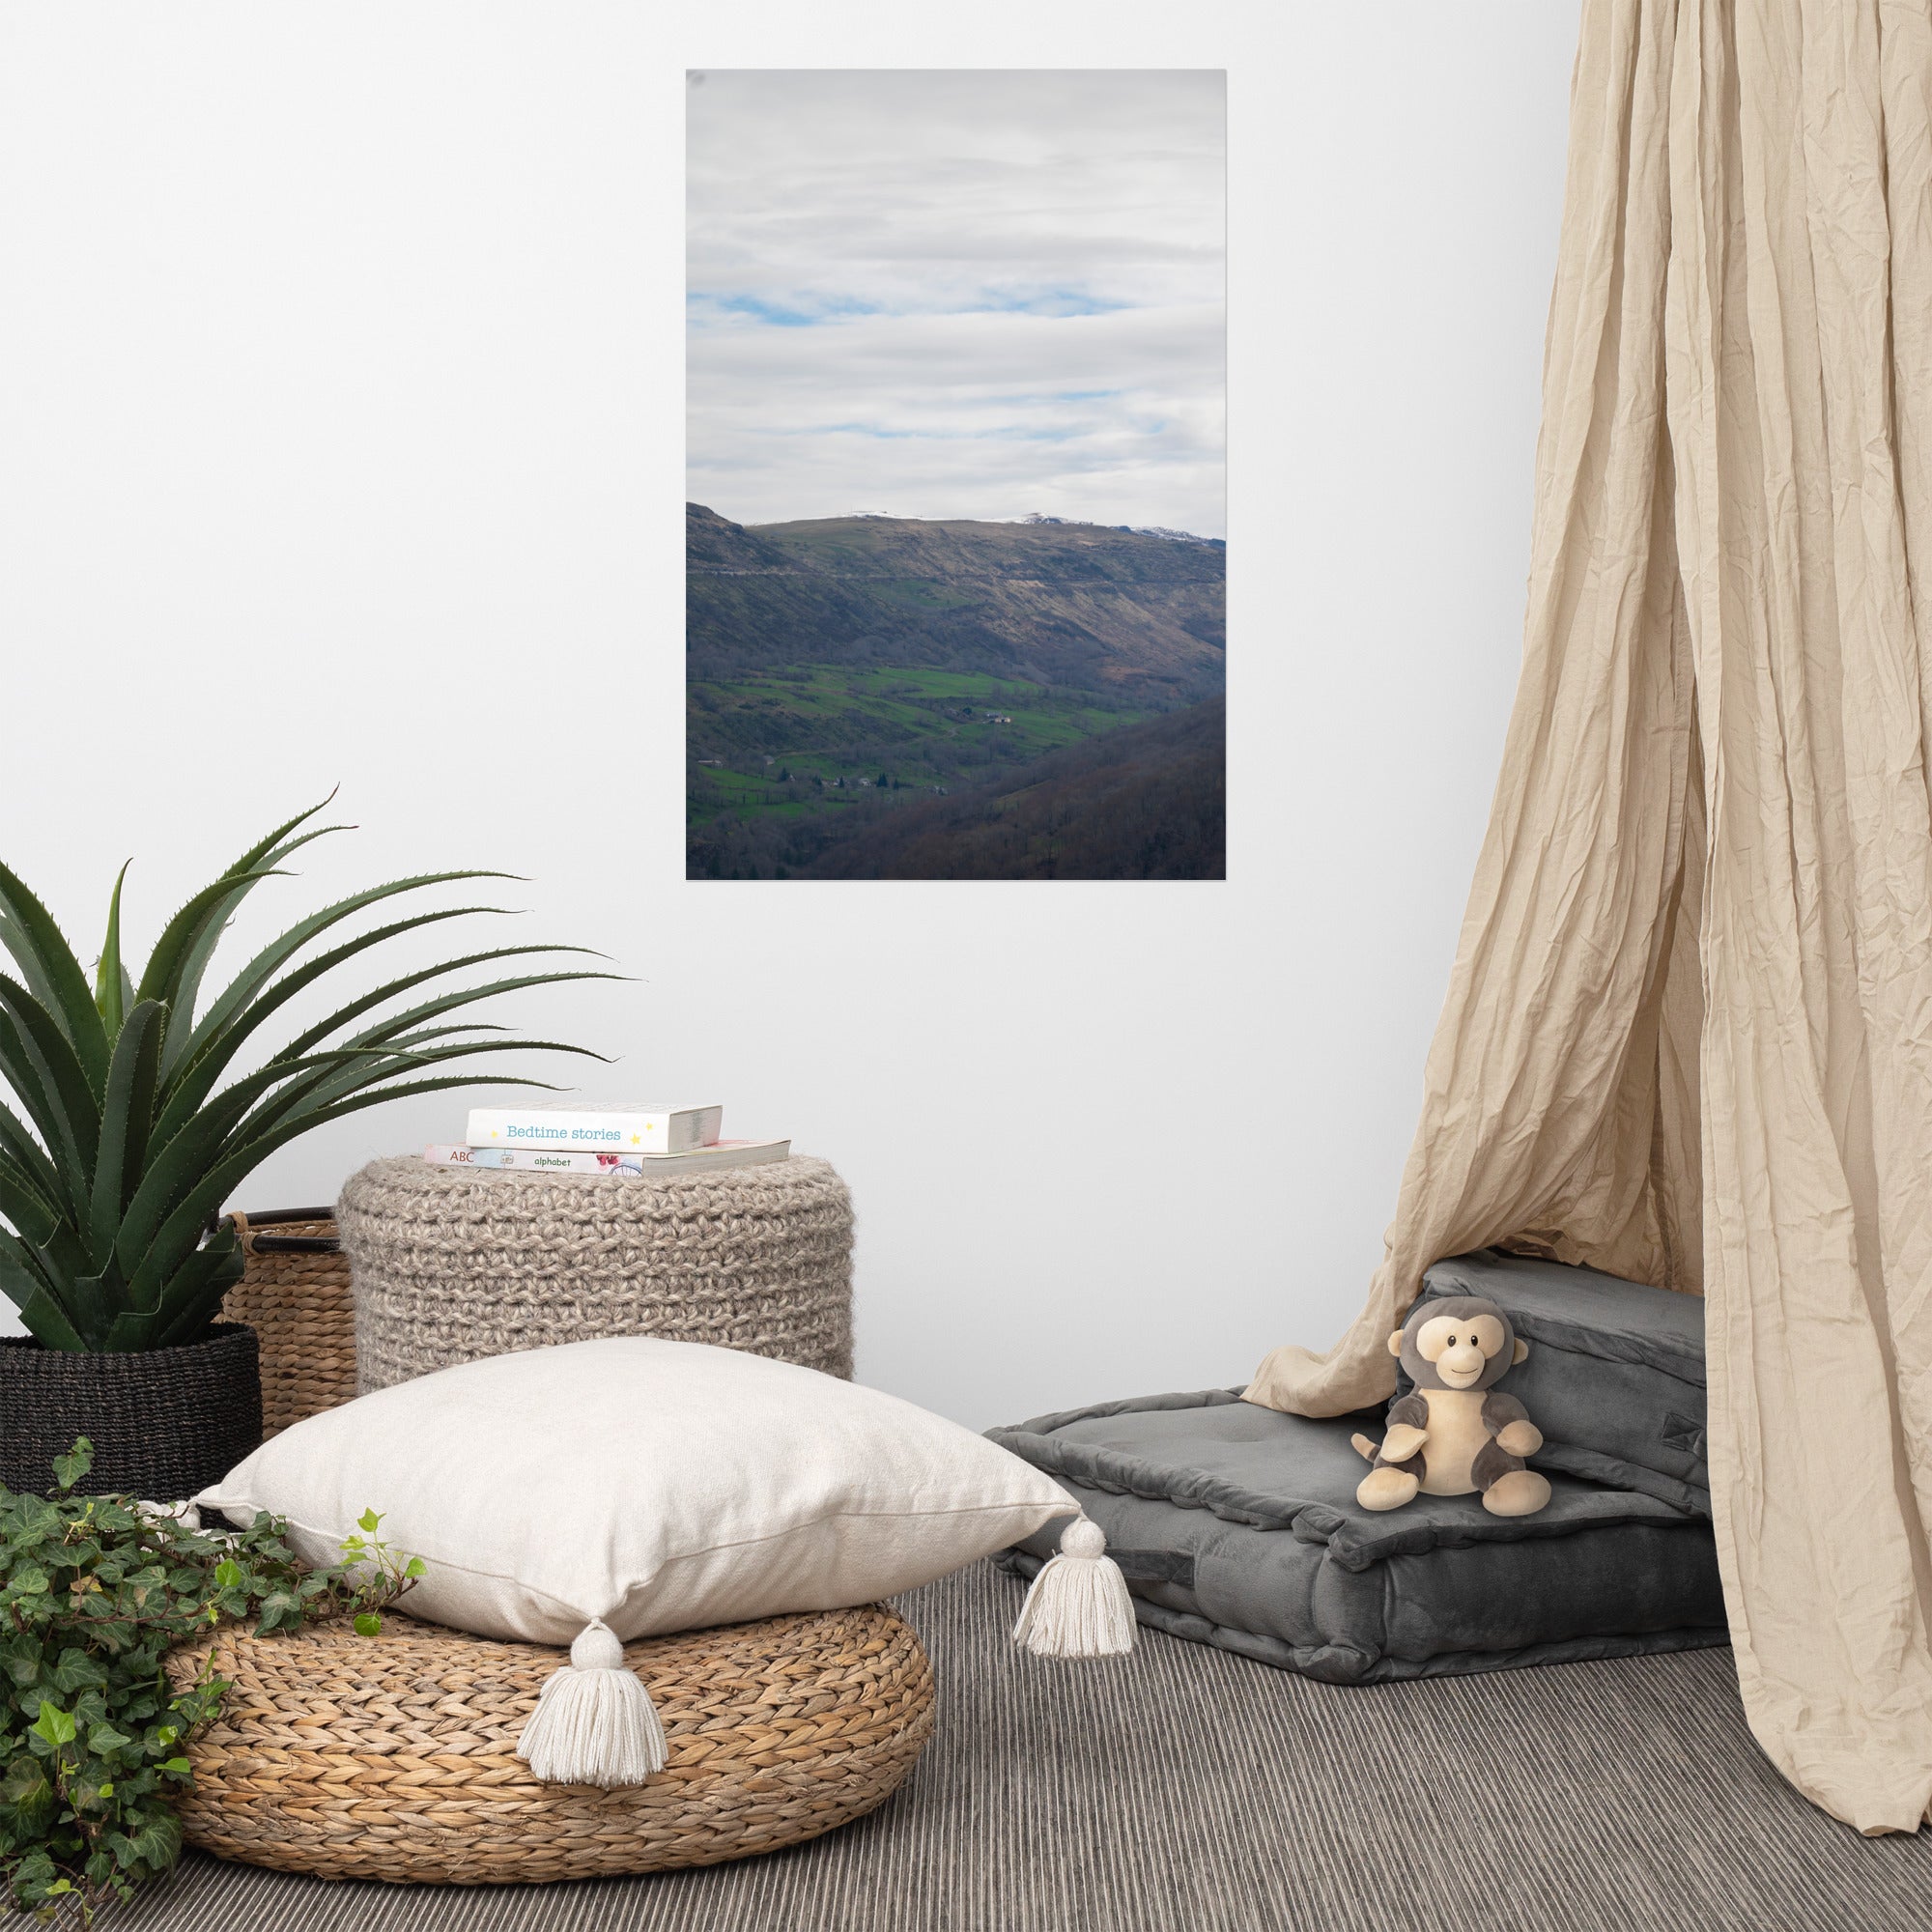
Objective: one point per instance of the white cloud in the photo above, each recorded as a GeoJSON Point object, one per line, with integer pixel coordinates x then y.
{"type": "Point", "coordinates": [957, 293]}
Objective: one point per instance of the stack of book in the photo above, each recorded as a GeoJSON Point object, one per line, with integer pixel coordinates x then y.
{"type": "Point", "coordinates": [603, 1140]}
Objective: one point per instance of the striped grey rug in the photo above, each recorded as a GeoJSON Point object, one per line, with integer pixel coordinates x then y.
{"type": "Point", "coordinates": [1188, 1791]}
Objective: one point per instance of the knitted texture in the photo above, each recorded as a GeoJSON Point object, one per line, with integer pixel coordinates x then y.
{"type": "Point", "coordinates": [453, 1264]}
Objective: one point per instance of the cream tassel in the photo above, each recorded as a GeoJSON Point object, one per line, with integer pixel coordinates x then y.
{"type": "Point", "coordinates": [594, 1722]}
{"type": "Point", "coordinates": [1078, 1605]}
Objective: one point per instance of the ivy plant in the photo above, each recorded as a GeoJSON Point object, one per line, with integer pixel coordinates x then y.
{"type": "Point", "coordinates": [94, 1591]}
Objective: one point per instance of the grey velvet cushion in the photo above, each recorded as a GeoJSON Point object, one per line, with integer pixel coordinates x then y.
{"type": "Point", "coordinates": [1615, 1373]}
{"type": "Point", "coordinates": [1236, 1526]}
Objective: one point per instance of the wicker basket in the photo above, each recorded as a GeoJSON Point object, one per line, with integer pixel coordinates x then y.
{"type": "Point", "coordinates": [395, 1757]}
{"type": "Point", "coordinates": [295, 1297]}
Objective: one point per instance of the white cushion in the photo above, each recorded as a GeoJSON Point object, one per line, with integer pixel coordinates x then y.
{"type": "Point", "coordinates": [655, 1485]}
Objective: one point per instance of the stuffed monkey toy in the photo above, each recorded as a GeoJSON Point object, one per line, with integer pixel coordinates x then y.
{"type": "Point", "coordinates": [1456, 1434]}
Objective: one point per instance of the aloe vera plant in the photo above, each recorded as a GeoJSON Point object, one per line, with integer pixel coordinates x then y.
{"type": "Point", "coordinates": [124, 1142]}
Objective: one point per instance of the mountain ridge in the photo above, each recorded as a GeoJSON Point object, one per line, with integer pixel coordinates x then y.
{"type": "Point", "coordinates": [1077, 604]}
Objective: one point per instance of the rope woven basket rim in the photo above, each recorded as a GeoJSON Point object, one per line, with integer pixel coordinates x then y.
{"type": "Point", "coordinates": [256, 1243]}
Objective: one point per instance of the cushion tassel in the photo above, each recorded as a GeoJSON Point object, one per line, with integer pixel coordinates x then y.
{"type": "Point", "coordinates": [1078, 1605]}
{"type": "Point", "coordinates": [594, 1722]}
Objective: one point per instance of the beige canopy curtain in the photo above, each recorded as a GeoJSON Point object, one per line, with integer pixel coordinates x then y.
{"type": "Point", "coordinates": [1689, 1032]}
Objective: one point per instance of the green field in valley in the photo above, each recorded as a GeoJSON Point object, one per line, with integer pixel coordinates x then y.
{"type": "Point", "coordinates": [815, 740]}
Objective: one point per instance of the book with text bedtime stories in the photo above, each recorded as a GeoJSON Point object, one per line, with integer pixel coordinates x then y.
{"type": "Point", "coordinates": [540, 1160]}
{"type": "Point", "coordinates": [639, 1129]}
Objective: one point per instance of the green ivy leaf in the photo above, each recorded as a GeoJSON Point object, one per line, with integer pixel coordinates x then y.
{"type": "Point", "coordinates": [53, 1726]}
{"type": "Point", "coordinates": [22, 1660]}
{"type": "Point", "coordinates": [416, 1567]}
{"type": "Point", "coordinates": [92, 1597]}
{"type": "Point", "coordinates": [69, 1469]}
{"type": "Point", "coordinates": [24, 1783]}
{"type": "Point", "coordinates": [74, 1670]}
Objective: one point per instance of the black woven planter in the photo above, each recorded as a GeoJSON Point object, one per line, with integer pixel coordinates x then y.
{"type": "Point", "coordinates": [164, 1423]}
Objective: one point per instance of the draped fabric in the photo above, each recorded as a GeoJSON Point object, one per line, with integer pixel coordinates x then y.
{"type": "Point", "coordinates": [1688, 1030]}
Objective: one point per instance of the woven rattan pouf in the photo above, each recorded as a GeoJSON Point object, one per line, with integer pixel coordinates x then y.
{"type": "Point", "coordinates": [395, 1757]}
{"type": "Point", "coordinates": [452, 1264]}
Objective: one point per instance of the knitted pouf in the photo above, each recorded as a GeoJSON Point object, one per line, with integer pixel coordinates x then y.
{"type": "Point", "coordinates": [395, 1757]}
{"type": "Point", "coordinates": [454, 1263]}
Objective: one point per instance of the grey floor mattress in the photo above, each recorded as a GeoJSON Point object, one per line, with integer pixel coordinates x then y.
{"type": "Point", "coordinates": [1615, 1375]}
{"type": "Point", "coordinates": [1239, 1526]}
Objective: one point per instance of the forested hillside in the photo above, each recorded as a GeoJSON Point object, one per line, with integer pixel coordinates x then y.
{"type": "Point", "coordinates": [841, 672]}
{"type": "Point", "coordinates": [1148, 802]}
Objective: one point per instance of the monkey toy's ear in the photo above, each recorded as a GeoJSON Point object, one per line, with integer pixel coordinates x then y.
{"type": "Point", "coordinates": [1395, 1343]}
{"type": "Point", "coordinates": [1521, 1353]}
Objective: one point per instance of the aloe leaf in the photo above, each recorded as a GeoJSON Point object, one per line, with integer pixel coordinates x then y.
{"type": "Point", "coordinates": [191, 1297]}
{"type": "Point", "coordinates": [110, 976]}
{"type": "Point", "coordinates": [47, 963]}
{"type": "Point", "coordinates": [57, 1249]}
{"type": "Point", "coordinates": [26, 1286]}
{"type": "Point", "coordinates": [181, 956]}
{"type": "Point", "coordinates": [126, 1113]}
{"type": "Point", "coordinates": [445, 1003]}
{"type": "Point", "coordinates": [266, 854]}
{"type": "Point", "coordinates": [94, 1301]}
{"type": "Point", "coordinates": [118, 1149]}
{"type": "Point", "coordinates": [198, 1143]}
{"type": "Point", "coordinates": [132, 1331]}
{"type": "Point", "coordinates": [34, 1217]}
{"type": "Point", "coordinates": [42, 1317]}
{"type": "Point", "coordinates": [321, 1090]}
{"type": "Point", "coordinates": [73, 1116]}
{"type": "Point", "coordinates": [412, 1042]}
{"type": "Point", "coordinates": [160, 978]}
{"type": "Point", "coordinates": [201, 948]}
{"type": "Point", "coordinates": [397, 1023]}
{"type": "Point", "coordinates": [190, 1089]}
{"type": "Point", "coordinates": [273, 957]}
{"type": "Point", "coordinates": [29, 1214]}
{"type": "Point", "coordinates": [218, 1038]}
{"type": "Point", "coordinates": [19, 1069]}
{"type": "Point", "coordinates": [19, 1145]}
{"type": "Point", "coordinates": [177, 1235]}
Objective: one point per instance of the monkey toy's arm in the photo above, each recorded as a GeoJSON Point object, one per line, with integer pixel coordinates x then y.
{"type": "Point", "coordinates": [1508, 1421]}
{"type": "Point", "coordinates": [1409, 1428]}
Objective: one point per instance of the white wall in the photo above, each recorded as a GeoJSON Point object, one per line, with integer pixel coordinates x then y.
{"type": "Point", "coordinates": [339, 440]}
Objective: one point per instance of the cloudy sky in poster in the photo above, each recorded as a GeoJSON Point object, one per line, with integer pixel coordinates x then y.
{"type": "Point", "coordinates": [957, 293]}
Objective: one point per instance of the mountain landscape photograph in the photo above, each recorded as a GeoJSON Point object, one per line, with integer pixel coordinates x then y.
{"type": "Point", "coordinates": [955, 570]}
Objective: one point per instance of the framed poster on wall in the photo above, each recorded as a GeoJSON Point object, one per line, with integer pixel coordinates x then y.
{"type": "Point", "coordinates": [955, 538]}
